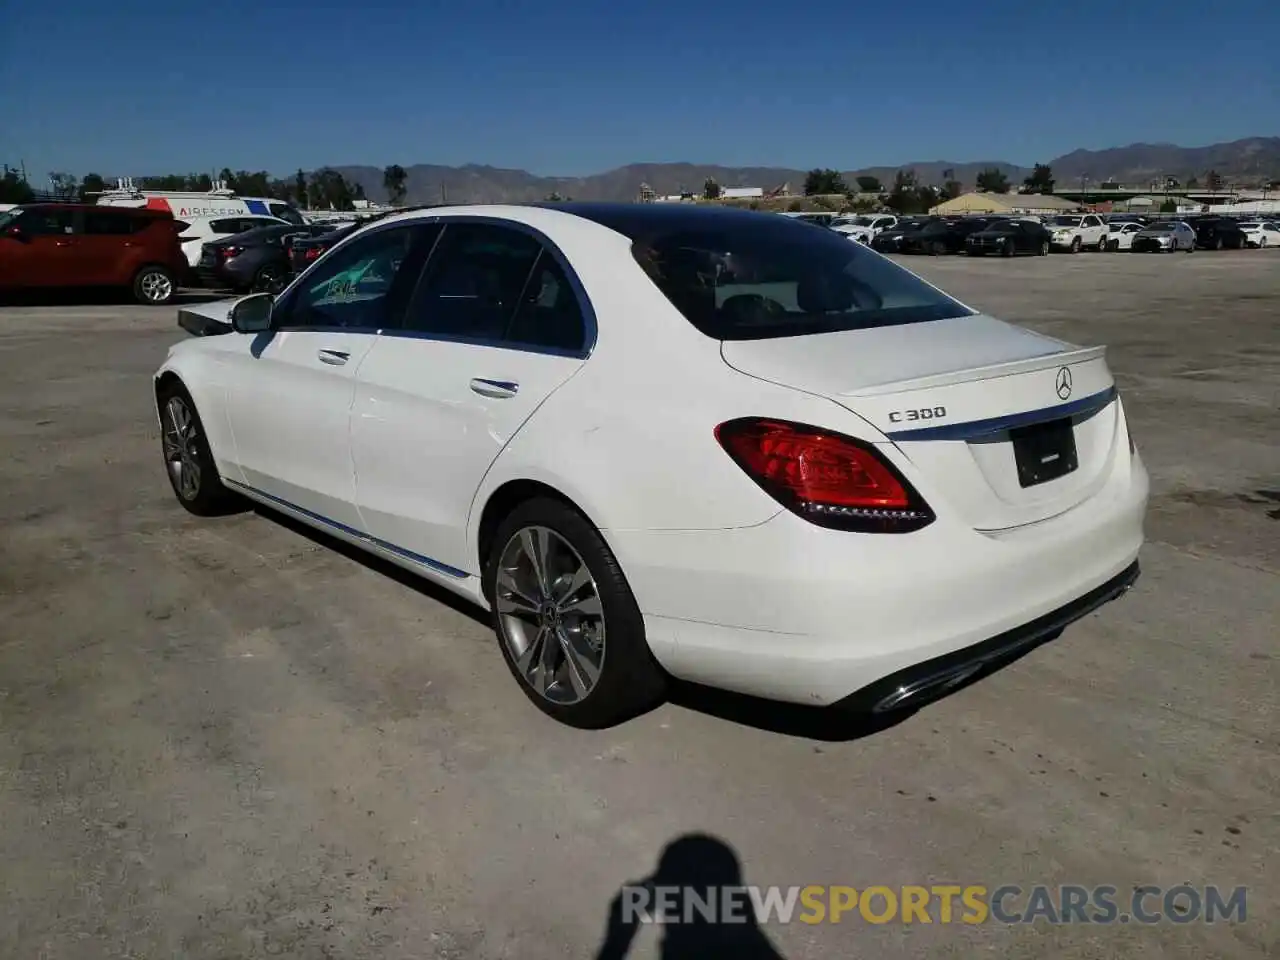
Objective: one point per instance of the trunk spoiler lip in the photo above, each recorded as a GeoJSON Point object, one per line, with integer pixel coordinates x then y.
{"type": "Point", "coordinates": [993, 371]}
{"type": "Point", "coordinates": [977, 429]}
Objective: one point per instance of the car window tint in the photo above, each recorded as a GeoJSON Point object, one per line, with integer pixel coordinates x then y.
{"type": "Point", "coordinates": [224, 226]}
{"type": "Point", "coordinates": [113, 224]}
{"type": "Point", "coordinates": [764, 279]}
{"type": "Point", "coordinates": [351, 289]}
{"type": "Point", "coordinates": [48, 222]}
{"type": "Point", "coordinates": [474, 282]}
{"type": "Point", "coordinates": [549, 315]}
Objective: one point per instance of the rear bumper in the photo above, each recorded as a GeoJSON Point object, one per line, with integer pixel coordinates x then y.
{"type": "Point", "coordinates": [788, 611]}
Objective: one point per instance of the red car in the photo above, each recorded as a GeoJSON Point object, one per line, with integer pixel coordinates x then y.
{"type": "Point", "coordinates": [85, 245]}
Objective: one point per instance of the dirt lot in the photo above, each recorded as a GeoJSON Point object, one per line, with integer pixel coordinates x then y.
{"type": "Point", "coordinates": [228, 739]}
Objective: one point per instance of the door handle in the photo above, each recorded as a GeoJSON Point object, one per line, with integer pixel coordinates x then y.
{"type": "Point", "coordinates": [498, 389]}
{"type": "Point", "coordinates": [335, 357]}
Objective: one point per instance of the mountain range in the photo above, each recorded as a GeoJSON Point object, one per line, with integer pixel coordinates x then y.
{"type": "Point", "coordinates": [1248, 161]}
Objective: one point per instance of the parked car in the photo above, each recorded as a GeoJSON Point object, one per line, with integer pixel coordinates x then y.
{"type": "Point", "coordinates": [1075, 232]}
{"type": "Point", "coordinates": [890, 240]}
{"type": "Point", "coordinates": [83, 245]}
{"type": "Point", "coordinates": [944, 236]}
{"type": "Point", "coordinates": [818, 219]}
{"type": "Point", "coordinates": [1009, 238]}
{"type": "Point", "coordinates": [1218, 233]}
{"type": "Point", "coordinates": [1261, 233]}
{"type": "Point", "coordinates": [197, 231]}
{"type": "Point", "coordinates": [1167, 236]}
{"type": "Point", "coordinates": [256, 260]}
{"type": "Point", "coordinates": [1121, 234]}
{"type": "Point", "coordinates": [864, 228]}
{"type": "Point", "coordinates": [303, 251]}
{"type": "Point", "coordinates": [495, 398]}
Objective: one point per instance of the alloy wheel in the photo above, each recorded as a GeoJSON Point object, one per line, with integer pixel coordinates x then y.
{"type": "Point", "coordinates": [550, 615]}
{"type": "Point", "coordinates": [156, 287]}
{"type": "Point", "coordinates": [269, 280]}
{"type": "Point", "coordinates": [181, 446]}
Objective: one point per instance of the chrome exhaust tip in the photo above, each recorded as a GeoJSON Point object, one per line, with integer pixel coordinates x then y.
{"type": "Point", "coordinates": [925, 688]}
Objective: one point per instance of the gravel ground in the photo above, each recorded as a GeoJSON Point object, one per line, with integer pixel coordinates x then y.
{"type": "Point", "coordinates": [229, 739]}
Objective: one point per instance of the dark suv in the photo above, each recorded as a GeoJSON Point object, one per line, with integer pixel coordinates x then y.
{"type": "Point", "coordinates": [1217, 234]}
{"type": "Point", "coordinates": [84, 245]}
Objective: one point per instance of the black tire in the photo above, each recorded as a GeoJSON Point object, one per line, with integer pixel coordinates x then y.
{"type": "Point", "coordinates": [270, 278]}
{"type": "Point", "coordinates": [629, 681]}
{"type": "Point", "coordinates": [1044, 248]}
{"type": "Point", "coordinates": [1008, 249]}
{"type": "Point", "coordinates": [1075, 245]}
{"type": "Point", "coordinates": [207, 497]}
{"type": "Point", "coordinates": [154, 286]}
{"type": "Point", "coordinates": [1217, 244]}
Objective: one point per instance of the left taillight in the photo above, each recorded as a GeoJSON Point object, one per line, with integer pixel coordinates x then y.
{"type": "Point", "coordinates": [226, 253]}
{"type": "Point", "coordinates": [827, 478]}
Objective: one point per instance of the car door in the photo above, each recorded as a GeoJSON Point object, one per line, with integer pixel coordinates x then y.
{"type": "Point", "coordinates": [107, 245]}
{"type": "Point", "coordinates": [496, 325]}
{"type": "Point", "coordinates": [50, 252]}
{"type": "Point", "coordinates": [289, 396]}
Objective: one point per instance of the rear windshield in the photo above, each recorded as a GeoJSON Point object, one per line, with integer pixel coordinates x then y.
{"type": "Point", "coordinates": [758, 281]}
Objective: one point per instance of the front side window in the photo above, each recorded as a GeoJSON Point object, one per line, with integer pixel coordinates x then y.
{"type": "Point", "coordinates": [286, 212]}
{"type": "Point", "coordinates": [1066, 221]}
{"type": "Point", "coordinates": [48, 223]}
{"type": "Point", "coordinates": [756, 281]}
{"type": "Point", "coordinates": [352, 289]}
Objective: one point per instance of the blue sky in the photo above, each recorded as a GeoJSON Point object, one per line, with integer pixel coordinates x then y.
{"type": "Point", "coordinates": [574, 86]}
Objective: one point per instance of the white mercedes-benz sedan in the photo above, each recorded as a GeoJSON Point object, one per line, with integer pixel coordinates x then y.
{"type": "Point", "coordinates": [672, 441]}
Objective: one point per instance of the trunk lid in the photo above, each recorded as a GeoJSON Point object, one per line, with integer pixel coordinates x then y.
{"type": "Point", "coordinates": [965, 400]}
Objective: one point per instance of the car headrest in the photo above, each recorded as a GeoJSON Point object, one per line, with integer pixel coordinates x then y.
{"type": "Point", "coordinates": [824, 293]}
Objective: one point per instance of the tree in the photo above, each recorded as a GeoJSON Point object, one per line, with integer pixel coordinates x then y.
{"type": "Point", "coordinates": [992, 180]}
{"type": "Point", "coordinates": [300, 188]}
{"type": "Point", "coordinates": [711, 189]}
{"type": "Point", "coordinates": [330, 190]}
{"type": "Point", "coordinates": [1214, 181]}
{"type": "Point", "coordinates": [1169, 206]}
{"type": "Point", "coordinates": [822, 181]}
{"type": "Point", "coordinates": [14, 187]}
{"type": "Point", "coordinates": [905, 195]}
{"type": "Point", "coordinates": [1193, 184]}
{"type": "Point", "coordinates": [951, 189]}
{"type": "Point", "coordinates": [868, 184]}
{"type": "Point", "coordinates": [1040, 181]}
{"type": "Point", "coordinates": [65, 186]}
{"type": "Point", "coordinates": [90, 186]}
{"type": "Point", "coordinates": [393, 179]}
{"type": "Point", "coordinates": [228, 178]}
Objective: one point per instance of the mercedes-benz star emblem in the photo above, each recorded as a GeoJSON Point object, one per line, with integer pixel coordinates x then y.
{"type": "Point", "coordinates": [1064, 383]}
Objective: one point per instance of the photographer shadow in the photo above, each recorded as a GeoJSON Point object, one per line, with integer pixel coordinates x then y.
{"type": "Point", "coordinates": [702, 865]}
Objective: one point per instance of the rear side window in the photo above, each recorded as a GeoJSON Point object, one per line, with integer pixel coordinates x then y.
{"type": "Point", "coordinates": [763, 280]}
{"type": "Point", "coordinates": [228, 226]}
{"type": "Point", "coordinates": [474, 282]}
{"type": "Point", "coordinates": [115, 224]}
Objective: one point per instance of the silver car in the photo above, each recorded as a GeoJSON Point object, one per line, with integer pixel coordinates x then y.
{"type": "Point", "coordinates": [1168, 236]}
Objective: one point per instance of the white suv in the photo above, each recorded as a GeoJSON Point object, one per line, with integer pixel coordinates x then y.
{"type": "Point", "coordinates": [1074, 232]}
{"type": "Point", "coordinates": [864, 228]}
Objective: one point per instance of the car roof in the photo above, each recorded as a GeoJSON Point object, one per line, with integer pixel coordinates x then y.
{"type": "Point", "coordinates": [94, 208]}
{"type": "Point", "coordinates": [645, 219]}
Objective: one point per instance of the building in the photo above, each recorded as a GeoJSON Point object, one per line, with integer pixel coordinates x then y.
{"type": "Point", "coordinates": [1011, 204]}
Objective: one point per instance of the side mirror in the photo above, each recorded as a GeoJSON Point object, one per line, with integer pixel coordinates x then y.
{"type": "Point", "coordinates": [253, 313]}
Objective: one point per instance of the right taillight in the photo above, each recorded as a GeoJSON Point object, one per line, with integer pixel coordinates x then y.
{"type": "Point", "coordinates": [311, 253]}
{"type": "Point", "coordinates": [826, 478]}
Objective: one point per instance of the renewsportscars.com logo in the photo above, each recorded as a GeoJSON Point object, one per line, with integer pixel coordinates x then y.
{"type": "Point", "coordinates": [939, 903]}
